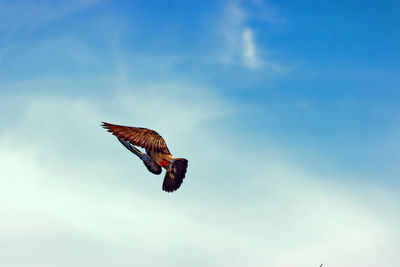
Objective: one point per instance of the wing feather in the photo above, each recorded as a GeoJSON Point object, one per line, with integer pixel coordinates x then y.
{"type": "Point", "coordinates": [147, 141]}
{"type": "Point", "coordinates": [142, 137]}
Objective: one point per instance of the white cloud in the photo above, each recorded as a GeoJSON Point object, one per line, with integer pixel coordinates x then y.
{"type": "Point", "coordinates": [71, 195]}
{"type": "Point", "coordinates": [249, 53]}
{"type": "Point", "coordinates": [240, 45]}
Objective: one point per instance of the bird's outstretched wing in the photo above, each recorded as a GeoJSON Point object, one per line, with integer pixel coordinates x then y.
{"type": "Point", "coordinates": [142, 137]}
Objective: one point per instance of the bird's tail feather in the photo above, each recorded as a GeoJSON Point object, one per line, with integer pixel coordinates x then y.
{"type": "Point", "coordinates": [174, 178]}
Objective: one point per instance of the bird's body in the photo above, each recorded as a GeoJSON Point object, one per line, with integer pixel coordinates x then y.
{"type": "Point", "coordinates": [164, 160]}
{"type": "Point", "coordinates": [157, 154]}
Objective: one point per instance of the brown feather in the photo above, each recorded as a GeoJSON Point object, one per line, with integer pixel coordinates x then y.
{"type": "Point", "coordinates": [174, 178]}
{"type": "Point", "coordinates": [142, 137]}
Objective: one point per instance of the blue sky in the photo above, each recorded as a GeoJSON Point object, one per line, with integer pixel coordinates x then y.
{"type": "Point", "coordinates": [287, 111]}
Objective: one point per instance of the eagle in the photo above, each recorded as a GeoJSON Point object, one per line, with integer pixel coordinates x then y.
{"type": "Point", "coordinates": [157, 154]}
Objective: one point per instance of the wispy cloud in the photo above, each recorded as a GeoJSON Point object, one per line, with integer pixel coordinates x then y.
{"type": "Point", "coordinates": [231, 27]}
{"type": "Point", "coordinates": [249, 50]}
{"type": "Point", "coordinates": [267, 12]}
{"type": "Point", "coordinates": [241, 46]}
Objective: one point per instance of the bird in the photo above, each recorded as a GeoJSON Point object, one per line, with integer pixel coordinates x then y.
{"type": "Point", "coordinates": [157, 154]}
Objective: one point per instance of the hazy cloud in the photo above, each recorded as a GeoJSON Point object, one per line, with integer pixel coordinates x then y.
{"type": "Point", "coordinates": [72, 195]}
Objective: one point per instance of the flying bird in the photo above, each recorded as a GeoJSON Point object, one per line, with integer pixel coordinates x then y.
{"type": "Point", "coordinates": [157, 154]}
